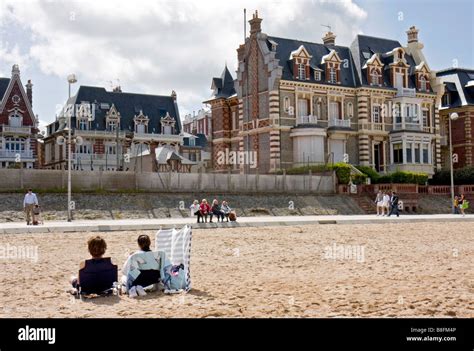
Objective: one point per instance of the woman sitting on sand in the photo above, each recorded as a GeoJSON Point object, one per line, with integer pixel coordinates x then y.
{"type": "Point", "coordinates": [95, 267]}
{"type": "Point", "coordinates": [141, 269]}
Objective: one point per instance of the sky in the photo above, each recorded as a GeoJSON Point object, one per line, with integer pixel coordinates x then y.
{"type": "Point", "coordinates": [157, 46]}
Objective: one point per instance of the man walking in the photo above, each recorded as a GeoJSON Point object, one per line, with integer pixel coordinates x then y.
{"type": "Point", "coordinates": [29, 204]}
{"type": "Point", "coordinates": [394, 204]}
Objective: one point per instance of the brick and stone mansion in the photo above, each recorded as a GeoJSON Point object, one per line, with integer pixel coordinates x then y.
{"type": "Point", "coordinates": [293, 103]}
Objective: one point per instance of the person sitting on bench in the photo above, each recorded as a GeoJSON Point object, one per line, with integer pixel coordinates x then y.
{"type": "Point", "coordinates": [225, 209]}
{"type": "Point", "coordinates": [205, 210]}
{"type": "Point", "coordinates": [96, 275]}
{"type": "Point", "coordinates": [216, 211]}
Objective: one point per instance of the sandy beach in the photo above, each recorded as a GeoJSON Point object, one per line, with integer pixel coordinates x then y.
{"type": "Point", "coordinates": [389, 270]}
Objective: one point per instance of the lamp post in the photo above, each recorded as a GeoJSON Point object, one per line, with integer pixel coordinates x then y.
{"type": "Point", "coordinates": [71, 79]}
{"type": "Point", "coordinates": [453, 116]}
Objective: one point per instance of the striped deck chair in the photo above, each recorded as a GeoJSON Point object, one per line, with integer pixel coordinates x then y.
{"type": "Point", "coordinates": [176, 245]}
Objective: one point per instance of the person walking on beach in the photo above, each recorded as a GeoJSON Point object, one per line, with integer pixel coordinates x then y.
{"type": "Point", "coordinates": [379, 202]}
{"type": "Point", "coordinates": [394, 205]}
{"type": "Point", "coordinates": [29, 203]}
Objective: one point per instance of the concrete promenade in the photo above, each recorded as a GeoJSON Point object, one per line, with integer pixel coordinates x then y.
{"type": "Point", "coordinates": [155, 224]}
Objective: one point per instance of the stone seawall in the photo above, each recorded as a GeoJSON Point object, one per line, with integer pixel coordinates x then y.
{"type": "Point", "coordinates": [158, 205]}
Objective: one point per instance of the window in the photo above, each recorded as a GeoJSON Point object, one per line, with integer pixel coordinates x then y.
{"type": "Point", "coordinates": [376, 117]}
{"type": "Point", "coordinates": [425, 117]}
{"type": "Point", "coordinates": [399, 80]}
{"type": "Point", "coordinates": [167, 130]}
{"type": "Point", "coordinates": [14, 144]}
{"type": "Point", "coordinates": [425, 153]}
{"type": "Point", "coordinates": [83, 124]}
{"type": "Point", "coordinates": [112, 125]}
{"type": "Point", "coordinates": [332, 75]}
{"type": "Point", "coordinates": [302, 107]}
{"type": "Point", "coordinates": [301, 71]}
{"type": "Point", "coordinates": [417, 153]}
{"type": "Point", "coordinates": [446, 100]}
{"type": "Point", "coordinates": [318, 110]}
{"type": "Point", "coordinates": [423, 83]}
{"type": "Point", "coordinates": [317, 75]}
{"type": "Point", "coordinates": [140, 128]}
{"type": "Point", "coordinates": [375, 77]}
{"type": "Point", "coordinates": [111, 149]}
{"type": "Point", "coordinates": [408, 151]}
{"type": "Point", "coordinates": [15, 119]}
{"type": "Point", "coordinates": [83, 149]}
{"type": "Point", "coordinates": [192, 142]}
{"type": "Point", "coordinates": [397, 153]}
{"type": "Point", "coordinates": [334, 110]}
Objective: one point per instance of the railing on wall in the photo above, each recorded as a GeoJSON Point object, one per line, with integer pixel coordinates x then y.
{"type": "Point", "coordinates": [408, 189]}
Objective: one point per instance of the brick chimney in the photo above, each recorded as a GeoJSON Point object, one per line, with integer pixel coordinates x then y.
{"type": "Point", "coordinates": [29, 91]}
{"type": "Point", "coordinates": [255, 24]}
{"type": "Point", "coordinates": [329, 39]}
{"type": "Point", "coordinates": [412, 35]}
{"type": "Point", "coordinates": [174, 95]}
{"type": "Point", "coordinates": [117, 89]}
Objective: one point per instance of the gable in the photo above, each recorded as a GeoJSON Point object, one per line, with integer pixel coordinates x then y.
{"type": "Point", "coordinates": [15, 98]}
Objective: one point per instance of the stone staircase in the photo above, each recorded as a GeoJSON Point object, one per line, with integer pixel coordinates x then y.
{"type": "Point", "coordinates": [366, 204]}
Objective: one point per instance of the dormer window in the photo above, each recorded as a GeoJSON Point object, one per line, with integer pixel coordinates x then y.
{"type": "Point", "coordinates": [423, 85]}
{"type": "Point", "coordinates": [301, 71]}
{"type": "Point", "coordinates": [141, 123]}
{"type": "Point", "coordinates": [446, 100]}
{"type": "Point", "coordinates": [375, 77]}
{"type": "Point", "coordinates": [317, 75]}
{"type": "Point", "coordinates": [113, 119]}
{"type": "Point", "coordinates": [332, 75]}
{"type": "Point", "coordinates": [83, 124]}
{"type": "Point", "coordinates": [167, 124]}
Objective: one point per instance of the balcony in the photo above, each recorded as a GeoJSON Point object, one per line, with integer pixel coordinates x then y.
{"type": "Point", "coordinates": [306, 120]}
{"type": "Point", "coordinates": [157, 137]}
{"type": "Point", "coordinates": [25, 154]}
{"type": "Point", "coordinates": [336, 122]}
{"type": "Point", "coordinates": [84, 157]}
{"type": "Point", "coordinates": [98, 133]}
{"type": "Point", "coordinates": [16, 130]}
{"type": "Point", "coordinates": [406, 92]}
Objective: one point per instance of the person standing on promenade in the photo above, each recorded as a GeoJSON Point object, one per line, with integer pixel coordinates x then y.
{"type": "Point", "coordinates": [456, 204]}
{"type": "Point", "coordinates": [394, 204]}
{"type": "Point", "coordinates": [379, 203]}
{"type": "Point", "coordinates": [463, 204]}
{"type": "Point", "coordinates": [29, 203]}
{"type": "Point", "coordinates": [385, 204]}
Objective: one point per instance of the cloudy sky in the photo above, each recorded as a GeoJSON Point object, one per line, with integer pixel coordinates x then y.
{"type": "Point", "coordinates": [162, 45]}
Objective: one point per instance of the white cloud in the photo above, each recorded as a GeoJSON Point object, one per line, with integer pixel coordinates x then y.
{"type": "Point", "coordinates": [159, 46]}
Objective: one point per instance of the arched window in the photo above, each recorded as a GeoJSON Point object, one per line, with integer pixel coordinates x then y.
{"type": "Point", "coordinates": [15, 119]}
{"type": "Point", "coordinates": [375, 77]}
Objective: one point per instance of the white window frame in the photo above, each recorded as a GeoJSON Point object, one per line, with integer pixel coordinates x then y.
{"type": "Point", "coordinates": [83, 124]}
{"type": "Point", "coordinates": [332, 75]}
{"type": "Point", "coordinates": [350, 110]}
{"type": "Point", "coordinates": [334, 110]}
{"type": "Point", "coordinates": [376, 113]}
{"type": "Point", "coordinates": [317, 75]}
{"type": "Point", "coordinates": [302, 71]}
{"type": "Point", "coordinates": [423, 84]}
{"type": "Point", "coordinates": [375, 77]}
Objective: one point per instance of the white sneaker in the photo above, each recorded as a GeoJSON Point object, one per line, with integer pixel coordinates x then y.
{"type": "Point", "coordinates": [141, 291]}
{"type": "Point", "coordinates": [132, 292]}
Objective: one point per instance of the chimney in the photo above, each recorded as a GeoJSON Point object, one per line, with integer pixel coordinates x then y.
{"type": "Point", "coordinates": [412, 35]}
{"type": "Point", "coordinates": [255, 24]}
{"type": "Point", "coordinates": [29, 91]}
{"type": "Point", "coordinates": [329, 39]}
{"type": "Point", "coordinates": [173, 95]}
{"type": "Point", "coordinates": [117, 89]}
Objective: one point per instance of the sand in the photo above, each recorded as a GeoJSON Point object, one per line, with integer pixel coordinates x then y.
{"type": "Point", "coordinates": [390, 270]}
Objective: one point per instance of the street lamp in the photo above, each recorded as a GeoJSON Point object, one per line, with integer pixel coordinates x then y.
{"type": "Point", "coordinates": [453, 116]}
{"type": "Point", "coordinates": [71, 79]}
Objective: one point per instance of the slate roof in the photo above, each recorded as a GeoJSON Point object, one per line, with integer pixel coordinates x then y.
{"type": "Point", "coordinates": [223, 86]}
{"type": "Point", "coordinates": [465, 76]}
{"type": "Point", "coordinates": [3, 86]}
{"type": "Point", "coordinates": [128, 105]}
{"type": "Point", "coordinates": [317, 51]}
{"type": "Point", "coordinates": [372, 45]}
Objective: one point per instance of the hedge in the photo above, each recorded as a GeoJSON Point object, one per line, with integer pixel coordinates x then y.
{"type": "Point", "coordinates": [370, 172]}
{"type": "Point", "coordinates": [462, 176]}
{"type": "Point", "coordinates": [403, 177]}
{"type": "Point", "coordinates": [343, 172]}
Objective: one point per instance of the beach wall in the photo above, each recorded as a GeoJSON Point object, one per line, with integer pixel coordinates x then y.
{"type": "Point", "coordinates": [15, 179]}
